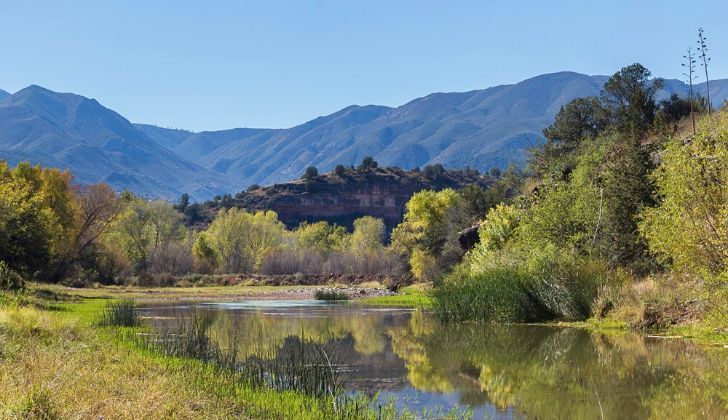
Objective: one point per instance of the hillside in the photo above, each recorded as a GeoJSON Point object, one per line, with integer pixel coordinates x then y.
{"type": "Point", "coordinates": [69, 131]}
{"type": "Point", "coordinates": [379, 192]}
{"type": "Point", "coordinates": [480, 129]}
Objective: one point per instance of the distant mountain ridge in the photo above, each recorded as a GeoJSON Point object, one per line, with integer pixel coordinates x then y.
{"type": "Point", "coordinates": [98, 145]}
{"type": "Point", "coordinates": [481, 129]}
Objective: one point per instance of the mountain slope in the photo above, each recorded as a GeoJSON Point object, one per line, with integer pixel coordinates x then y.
{"type": "Point", "coordinates": [480, 129]}
{"type": "Point", "coordinates": [3, 94]}
{"type": "Point", "coordinates": [69, 131]}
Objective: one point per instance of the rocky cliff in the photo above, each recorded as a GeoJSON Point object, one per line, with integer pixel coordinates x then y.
{"type": "Point", "coordinates": [341, 199]}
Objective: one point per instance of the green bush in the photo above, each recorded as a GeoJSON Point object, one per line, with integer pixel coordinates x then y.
{"type": "Point", "coordinates": [9, 279]}
{"type": "Point", "coordinates": [330, 295]}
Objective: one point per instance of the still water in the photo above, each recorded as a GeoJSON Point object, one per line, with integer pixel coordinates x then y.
{"type": "Point", "coordinates": [491, 371]}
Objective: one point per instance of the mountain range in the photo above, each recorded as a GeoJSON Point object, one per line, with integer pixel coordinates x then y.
{"type": "Point", "coordinates": [480, 129]}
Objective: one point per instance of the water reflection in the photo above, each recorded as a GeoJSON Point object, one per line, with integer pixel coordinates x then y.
{"type": "Point", "coordinates": [502, 371]}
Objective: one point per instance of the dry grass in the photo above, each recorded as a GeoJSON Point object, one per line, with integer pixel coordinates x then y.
{"type": "Point", "coordinates": [57, 367]}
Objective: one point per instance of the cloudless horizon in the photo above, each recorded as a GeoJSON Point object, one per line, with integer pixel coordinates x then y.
{"type": "Point", "coordinates": [277, 64]}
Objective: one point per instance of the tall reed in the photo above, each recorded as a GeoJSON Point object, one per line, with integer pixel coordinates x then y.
{"type": "Point", "coordinates": [121, 313]}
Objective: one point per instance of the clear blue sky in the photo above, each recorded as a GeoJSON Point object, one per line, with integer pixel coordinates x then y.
{"type": "Point", "coordinates": [222, 64]}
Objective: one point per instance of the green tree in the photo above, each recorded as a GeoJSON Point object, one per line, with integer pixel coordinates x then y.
{"type": "Point", "coordinates": [629, 98]}
{"type": "Point", "coordinates": [242, 239]}
{"type": "Point", "coordinates": [206, 258]}
{"type": "Point", "coordinates": [430, 225]}
{"type": "Point", "coordinates": [321, 236]}
{"type": "Point", "coordinates": [368, 236]}
{"type": "Point", "coordinates": [25, 238]}
{"type": "Point", "coordinates": [689, 227]}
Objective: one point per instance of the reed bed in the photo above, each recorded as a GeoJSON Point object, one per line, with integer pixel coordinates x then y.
{"type": "Point", "coordinates": [121, 313]}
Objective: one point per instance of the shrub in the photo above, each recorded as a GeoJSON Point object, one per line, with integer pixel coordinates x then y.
{"type": "Point", "coordinates": [9, 279]}
{"type": "Point", "coordinates": [518, 286]}
{"type": "Point", "coordinates": [330, 295]}
{"type": "Point", "coordinates": [121, 313]}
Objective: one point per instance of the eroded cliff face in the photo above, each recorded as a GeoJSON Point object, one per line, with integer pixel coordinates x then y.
{"type": "Point", "coordinates": [343, 198]}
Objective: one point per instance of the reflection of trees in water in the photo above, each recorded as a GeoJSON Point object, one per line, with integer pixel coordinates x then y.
{"type": "Point", "coordinates": [262, 335]}
{"type": "Point", "coordinates": [564, 373]}
{"type": "Point", "coordinates": [256, 333]}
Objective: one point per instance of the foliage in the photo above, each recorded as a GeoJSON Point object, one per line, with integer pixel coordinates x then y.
{"type": "Point", "coordinates": [321, 236]}
{"type": "Point", "coordinates": [9, 279]}
{"type": "Point", "coordinates": [689, 227]}
{"type": "Point", "coordinates": [428, 233]}
{"type": "Point", "coordinates": [368, 236]}
{"type": "Point", "coordinates": [330, 295]}
{"type": "Point", "coordinates": [367, 164]}
{"type": "Point", "coordinates": [241, 239]}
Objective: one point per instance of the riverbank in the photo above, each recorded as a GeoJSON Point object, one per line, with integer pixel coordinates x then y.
{"type": "Point", "coordinates": [57, 362]}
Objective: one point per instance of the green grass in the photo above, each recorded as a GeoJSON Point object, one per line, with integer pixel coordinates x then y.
{"type": "Point", "coordinates": [57, 360]}
{"type": "Point", "coordinates": [411, 296]}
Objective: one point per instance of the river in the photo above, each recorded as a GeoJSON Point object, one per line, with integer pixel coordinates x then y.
{"type": "Point", "coordinates": [408, 358]}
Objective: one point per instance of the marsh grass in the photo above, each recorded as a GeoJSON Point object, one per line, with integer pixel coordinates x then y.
{"type": "Point", "coordinates": [543, 288]}
{"type": "Point", "coordinates": [330, 295]}
{"type": "Point", "coordinates": [121, 313]}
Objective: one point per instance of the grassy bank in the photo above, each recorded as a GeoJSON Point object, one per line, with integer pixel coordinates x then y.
{"type": "Point", "coordinates": [56, 362]}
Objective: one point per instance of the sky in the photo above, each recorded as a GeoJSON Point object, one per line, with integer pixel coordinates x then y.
{"type": "Point", "coordinates": [208, 65]}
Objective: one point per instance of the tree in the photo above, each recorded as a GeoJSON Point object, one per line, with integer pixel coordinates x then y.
{"type": "Point", "coordinates": [430, 225]}
{"type": "Point", "coordinates": [688, 229]}
{"type": "Point", "coordinates": [433, 171]}
{"type": "Point", "coordinates": [703, 48]}
{"type": "Point", "coordinates": [184, 201]}
{"type": "Point", "coordinates": [689, 65]}
{"type": "Point", "coordinates": [206, 258]}
{"type": "Point", "coordinates": [340, 170]}
{"type": "Point", "coordinates": [242, 239]}
{"type": "Point", "coordinates": [321, 236]}
{"type": "Point", "coordinates": [368, 236]}
{"type": "Point", "coordinates": [25, 241]}
{"type": "Point", "coordinates": [145, 229]}
{"type": "Point", "coordinates": [310, 174]}
{"type": "Point", "coordinates": [368, 163]}
{"type": "Point", "coordinates": [629, 99]}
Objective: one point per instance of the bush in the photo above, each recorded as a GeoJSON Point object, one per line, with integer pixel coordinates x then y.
{"type": "Point", "coordinates": [330, 295]}
{"type": "Point", "coordinates": [511, 286]}
{"type": "Point", "coordinates": [9, 279]}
